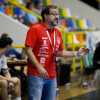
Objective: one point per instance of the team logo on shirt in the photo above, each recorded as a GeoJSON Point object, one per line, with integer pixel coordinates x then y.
{"type": "Point", "coordinates": [1, 62]}
{"type": "Point", "coordinates": [58, 40]}
{"type": "Point", "coordinates": [44, 38]}
{"type": "Point", "coordinates": [43, 50]}
{"type": "Point", "coordinates": [44, 43]}
{"type": "Point", "coordinates": [57, 46]}
{"type": "Point", "coordinates": [42, 61]}
{"type": "Point", "coordinates": [58, 43]}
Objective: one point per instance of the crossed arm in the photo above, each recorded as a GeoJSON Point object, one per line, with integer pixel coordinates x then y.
{"type": "Point", "coordinates": [7, 77]}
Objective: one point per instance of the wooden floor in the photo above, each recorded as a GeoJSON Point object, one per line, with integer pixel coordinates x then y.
{"type": "Point", "coordinates": [74, 91]}
{"type": "Point", "coordinates": [65, 92]}
{"type": "Point", "coordinates": [94, 95]}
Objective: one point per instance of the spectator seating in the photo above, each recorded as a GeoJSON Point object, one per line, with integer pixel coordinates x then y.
{"type": "Point", "coordinates": [7, 10]}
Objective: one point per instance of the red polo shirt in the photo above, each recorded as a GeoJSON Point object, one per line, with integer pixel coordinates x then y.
{"type": "Point", "coordinates": [38, 39]}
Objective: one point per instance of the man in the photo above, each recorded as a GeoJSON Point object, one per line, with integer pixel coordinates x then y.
{"type": "Point", "coordinates": [38, 7]}
{"type": "Point", "coordinates": [29, 18]}
{"type": "Point", "coordinates": [14, 83]}
{"type": "Point", "coordinates": [43, 45]}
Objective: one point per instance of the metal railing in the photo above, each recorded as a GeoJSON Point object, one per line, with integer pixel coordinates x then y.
{"type": "Point", "coordinates": [73, 46]}
{"type": "Point", "coordinates": [19, 46]}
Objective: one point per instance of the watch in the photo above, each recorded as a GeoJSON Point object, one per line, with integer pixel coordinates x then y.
{"type": "Point", "coordinates": [75, 54]}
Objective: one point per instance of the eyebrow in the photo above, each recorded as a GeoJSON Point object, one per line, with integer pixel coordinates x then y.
{"type": "Point", "coordinates": [53, 12]}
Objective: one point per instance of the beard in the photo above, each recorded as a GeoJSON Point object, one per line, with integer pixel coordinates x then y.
{"type": "Point", "coordinates": [55, 22]}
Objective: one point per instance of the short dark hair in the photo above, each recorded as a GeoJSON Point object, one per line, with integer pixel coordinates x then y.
{"type": "Point", "coordinates": [46, 10]}
{"type": "Point", "coordinates": [28, 4]}
{"type": "Point", "coordinates": [36, 3]}
{"type": "Point", "coordinates": [4, 35]}
{"type": "Point", "coordinates": [5, 40]}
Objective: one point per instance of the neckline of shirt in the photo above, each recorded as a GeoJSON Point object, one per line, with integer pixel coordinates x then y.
{"type": "Point", "coordinates": [47, 27]}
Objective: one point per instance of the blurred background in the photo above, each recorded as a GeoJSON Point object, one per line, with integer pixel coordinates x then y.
{"type": "Point", "coordinates": [77, 78]}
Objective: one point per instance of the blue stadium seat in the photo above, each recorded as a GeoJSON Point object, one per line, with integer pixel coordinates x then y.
{"type": "Point", "coordinates": [71, 24]}
{"type": "Point", "coordinates": [2, 9]}
{"type": "Point", "coordinates": [88, 23]}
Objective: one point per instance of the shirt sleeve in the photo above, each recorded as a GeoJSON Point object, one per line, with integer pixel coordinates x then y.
{"type": "Point", "coordinates": [61, 43]}
{"type": "Point", "coordinates": [31, 37]}
{"type": "Point", "coordinates": [18, 55]}
{"type": "Point", "coordinates": [30, 18]}
{"type": "Point", "coordinates": [4, 65]}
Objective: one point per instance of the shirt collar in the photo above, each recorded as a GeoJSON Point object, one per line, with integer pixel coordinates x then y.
{"type": "Point", "coordinates": [47, 27]}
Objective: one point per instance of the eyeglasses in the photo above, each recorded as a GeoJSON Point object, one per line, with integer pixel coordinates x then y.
{"type": "Point", "coordinates": [54, 14]}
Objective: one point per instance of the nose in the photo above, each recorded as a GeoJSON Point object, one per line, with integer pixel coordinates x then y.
{"type": "Point", "coordinates": [57, 16]}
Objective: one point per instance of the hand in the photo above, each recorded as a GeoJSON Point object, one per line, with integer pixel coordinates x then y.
{"type": "Point", "coordinates": [11, 56]}
{"type": "Point", "coordinates": [8, 79]}
{"type": "Point", "coordinates": [11, 85]}
{"type": "Point", "coordinates": [83, 51]}
{"type": "Point", "coordinates": [43, 73]}
{"type": "Point", "coordinates": [13, 80]}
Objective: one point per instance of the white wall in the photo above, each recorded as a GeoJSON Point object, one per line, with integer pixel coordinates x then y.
{"type": "Point", "coordinates": [81, 9]}
{"type": "Point", "coordinates": [16, 30]}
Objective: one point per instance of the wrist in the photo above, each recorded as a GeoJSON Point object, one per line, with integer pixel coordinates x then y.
{"type": "Point", "coordinates": [38, 66]}
{"type": "Point", "coordinates": [76, 54]}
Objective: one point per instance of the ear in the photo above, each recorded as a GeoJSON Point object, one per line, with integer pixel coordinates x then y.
{"type": "Point", "coordinates": [45, 16]}
{"type": "Point", "coordinates": [7, 46]}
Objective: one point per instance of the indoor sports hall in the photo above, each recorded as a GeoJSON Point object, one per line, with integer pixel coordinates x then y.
{"type": "Point", "coordinates": [78, 78]}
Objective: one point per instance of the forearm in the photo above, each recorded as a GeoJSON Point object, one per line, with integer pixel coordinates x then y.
{"type": "Point", "coordinates": [8, 58]}
{"type": "Point", "coordinates": [66, 54]}
{"type": "Point", "coordinates": [7, 75]}
{"type": "Point", "coordinates": [32, 58]}
{"type": "Point", "coordinates": [2, 77]}
{"type": "Point", "coordinates": [5, 78]}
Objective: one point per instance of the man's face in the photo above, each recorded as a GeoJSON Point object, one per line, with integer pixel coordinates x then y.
{"type": "Point", "coordinates": [53, 17]}
{"type": "Point", "coordinates": [31, 6]}
{"type": "Point", "coordinates": [39, 6]}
